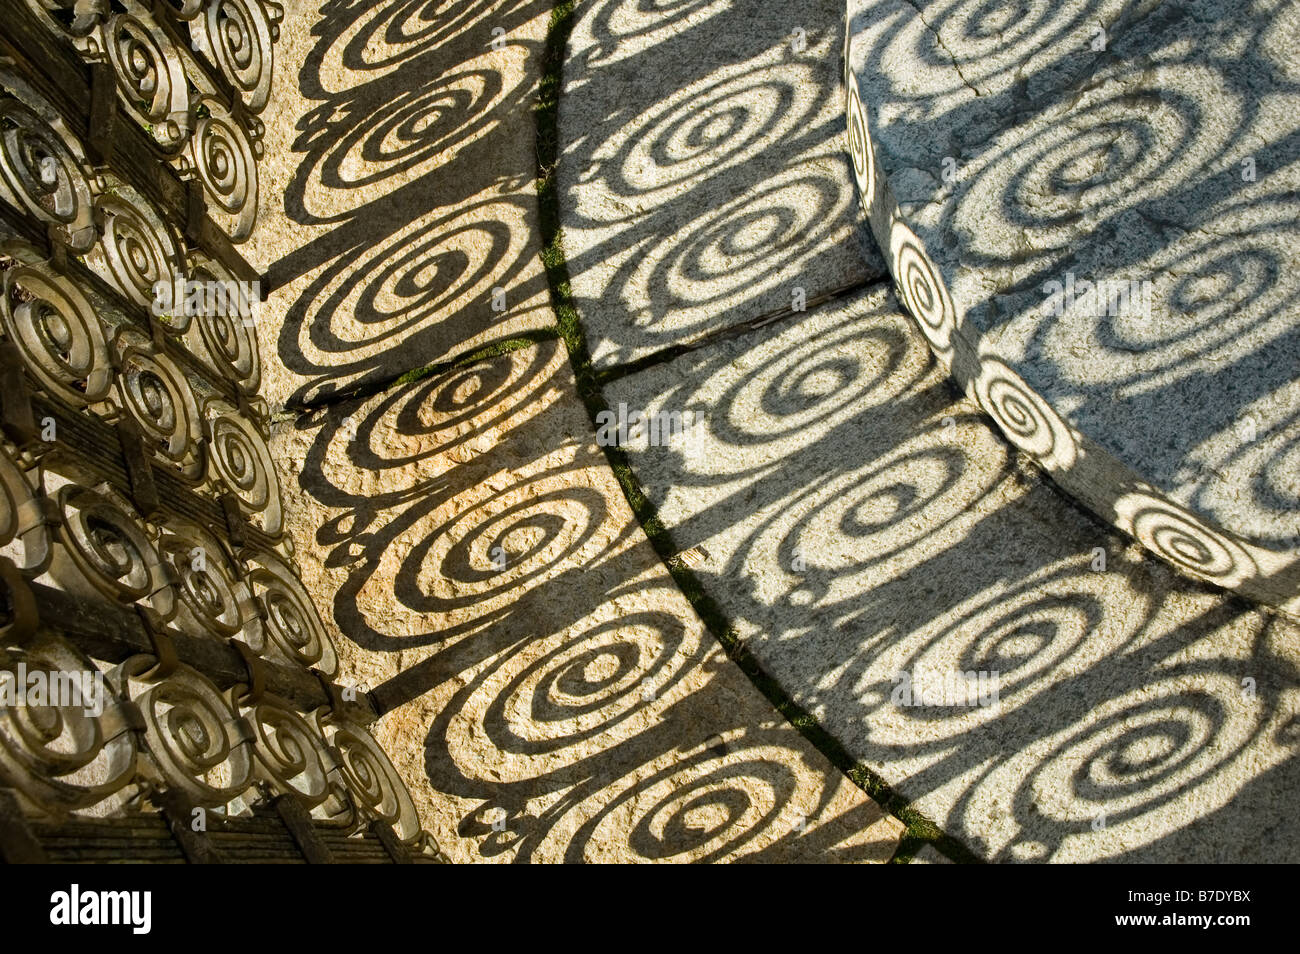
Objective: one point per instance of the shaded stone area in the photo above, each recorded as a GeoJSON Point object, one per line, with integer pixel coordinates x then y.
{"type": "Point", "coordinates": [702, 176]}
{"type": "Point", "coordinates": [554, 697]}
{"type": "Point", "coordinates": [400, 226]}
{"type": "Point", "coordinates": [858, 523]}
{"type": "Point", "coordinates": [1109, 189]}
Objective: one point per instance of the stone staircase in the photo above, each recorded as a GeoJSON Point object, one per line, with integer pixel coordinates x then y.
{"type": "Point", "coordinates": [507, 225]}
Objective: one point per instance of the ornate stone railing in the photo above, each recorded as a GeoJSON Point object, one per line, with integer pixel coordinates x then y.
{"type": "Point", "coordinates": [161, 664]}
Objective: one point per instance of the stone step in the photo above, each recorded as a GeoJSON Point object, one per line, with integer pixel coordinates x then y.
{"type": "Point", "coordinates": [702, 177]}
{"type": "Point", "coordinates": [1093, 208]}
{"type": "Point", "coordinates": [871, 538]}
{"type": "Point", "coordinates": [554, 696]}
{"type": "Point", "coordinates": [401, 225]}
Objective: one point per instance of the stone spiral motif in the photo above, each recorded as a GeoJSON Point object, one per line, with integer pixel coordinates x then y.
{"type": "Point", "coordinates": [692, 136]}
{"type": "Point", "coordinates": [40, 173]}
{"type": "Point", "coordinates": [150, 76]}
{"type": "Point", "coordinates": [726, 248]}
{"type": "Point", "coordinates": [58, 334]}
{"type": "Point", "coordinates": [810, 386]}
{"type": "Point", "coordinates": [1129, 171]}
{"type": "Point", "coordinates": [65, 750]}
{"type": "Point", "coordinates": [237, 36]}
{"type": "Point", "coordinates": [375, 788]}
{"type": "Point", "coordinates": [136, 249]}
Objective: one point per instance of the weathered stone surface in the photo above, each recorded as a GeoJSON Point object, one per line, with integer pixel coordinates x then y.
{"type": "Point", "coordinates": [548, 678]}
{"type": "Point", "coordinates": [857, 523]}
{"type": "Point", "coordinates": [702, 174]}
{"type": "Point", "coordinates": [399, 191]}
{"type": "Point", "coordinates": [1148, 146]}
{"type": "Point", "coordinates": [928, 856]}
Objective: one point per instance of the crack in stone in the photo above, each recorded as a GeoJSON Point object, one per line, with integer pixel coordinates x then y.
{"type": "Point", "coordinates": [938, 39]}
{"type": "Point", "coordinates": [617, 372]}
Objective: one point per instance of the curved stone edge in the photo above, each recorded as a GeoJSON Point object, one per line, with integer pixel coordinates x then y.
{"type": "Point", "coordinates": [914, 830]}
{"type": "Point", "coordinates": [1078, 465]}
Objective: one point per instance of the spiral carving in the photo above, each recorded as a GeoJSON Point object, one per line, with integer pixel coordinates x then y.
{"type": "Point", "coordinates": [292, 624]}
{"type": "Point", "coordinates": [157, 394]}
{"type": "Point", "coordinates": [376, 789]}
{"type": "Point", "coordinates": [223, 158]}
{"type": "Point", "coordinates": [136, 250]}
{"type": "Point", "coordinates": [193, 734]}
{"type": "Point", "coordinates": [58, 334]}
{"type": "Point", "coordinates": [41, 175]}
{"type": "Point", "coordinates": [106, 552]}
{"type": "Point", "coordinates": [237, 36]}
{"type": "Point", "coordinates": [64, 748]}
{"type": "Point", "coordinates": [150, 77]}
{"type": "Point", "coordinates": [291, 753]}
{"type": "Point", "coordinates": [226, 337]}
{"type": "Point", "coordinates": [242, 462]}
{"type": "Point", "coordinates": [211, 597]}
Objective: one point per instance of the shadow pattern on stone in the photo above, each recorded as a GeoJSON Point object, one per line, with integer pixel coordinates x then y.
{"type": "Point", "coordinates": [856, 524]}
{"type": "Point", "coordinates": [1119, 163]}
{"type": "Point", "coordinates": [552, 695]}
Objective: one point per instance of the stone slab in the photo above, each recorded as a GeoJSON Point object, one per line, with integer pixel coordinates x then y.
{"type": "Point", "coordinates": [398, 193]}
{"type": "Point", "coordinates": [702, 176]}
{"type": "Point", "coordinates": [857, 523]}
{"type": "Point", "coordinates": [1151, 147]}
{"type": "Point", "coordinates": [556, 698]}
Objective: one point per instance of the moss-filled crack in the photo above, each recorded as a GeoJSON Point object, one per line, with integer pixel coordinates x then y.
{"type": "Point", "coordinates": [525, 339]}
{"type": "Point", "coordinates": [920, 830]}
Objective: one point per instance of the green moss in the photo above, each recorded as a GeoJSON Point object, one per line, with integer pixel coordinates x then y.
{"type": "Point", "coordinates": [524, 340]}
{"type": "Point", "coordinates": [920, 830]}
